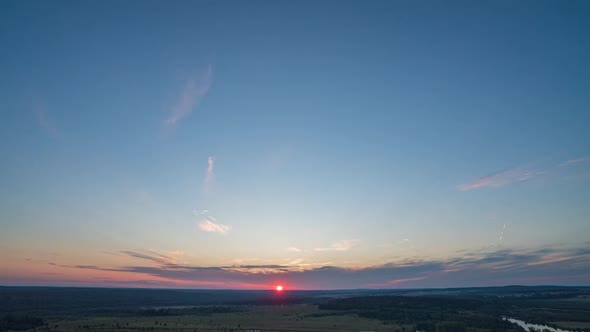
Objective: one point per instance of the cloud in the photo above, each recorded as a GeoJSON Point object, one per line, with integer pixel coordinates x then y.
{"type": "Point", "coordinates": [258, 269]}
{"type": "Point", "coordinates": [92, 267]}
{"type": "Point", "coordinates": [209, 225]}
{"type": "Point", "coordinates": [45, 121]}
{"type": "Point", "coordinates": [293, 249]}
{"type": "Point", "coordinates": [520, 174]}
{"type": "Point", "coordinates": [565, 266]}
{"type": "Point", "coordinates": [574, 161]}
{"type": "Point", "coordinates": [143, 196]}
{"type": "Point", "coordinates": [209, 181]}
{"type": "Point", "coordinates": [197, 213]}
{"type": "Point", "coordinates": [500, 179]}
{"type": "Point", "coordinates": [150, 256]}
{"type": "Point", "coordinates": [193, 93]}
{"type": "Point", "coordinates": [395, 282]}
{"type": "Point", "coordinates": [296, 262]}
{"type": "Point", "coordinates": [342, 245]}
{"type": "Point", "coordinates": [263, 266]}
{"type": "Point", "coordinates": [502, 232]}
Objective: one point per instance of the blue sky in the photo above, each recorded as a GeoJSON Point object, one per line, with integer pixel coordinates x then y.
{"type": "Point", "coordinates": [292, 137]}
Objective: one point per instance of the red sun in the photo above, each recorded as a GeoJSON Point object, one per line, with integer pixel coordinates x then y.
{"type": "Point", "coordinates": [279, 288]}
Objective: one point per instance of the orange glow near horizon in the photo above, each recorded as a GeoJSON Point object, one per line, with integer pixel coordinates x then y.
{"type": "Point", "coordinates": [279, 288]}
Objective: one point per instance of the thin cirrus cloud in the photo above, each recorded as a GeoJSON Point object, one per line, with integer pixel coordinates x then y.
{"type": "Point", "coordinates": [197, 213]}
{"type": "Point", "coordinates": [574, 161]}
{"type": "Point", "coordinates": [209, 182]}
{"type": "Point", "coordinates": [395, 282]}
{"type": "Point", "coordinates": [521, 174]}
{"type": "Point", "coordinates": [209, 224]}
{"type": "Point", "coordinates": [149, 255]}
{"type": "Point", "coordinates": [45, 121]}
{"type": "Point", "coordinates": [557, 265]}
{"type": "Point", "coordinates": [343, 245]}
{"type": "Point", "coordinates": [194, 91]}
{"type": "Point", "coordinates": [500, 179]}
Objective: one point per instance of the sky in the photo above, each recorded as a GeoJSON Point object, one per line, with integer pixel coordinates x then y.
{"type": "Point", "coordinates": [313, 144]}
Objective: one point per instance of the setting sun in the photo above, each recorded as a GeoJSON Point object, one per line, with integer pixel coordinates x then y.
{"type": "Point", "coordinates": [279, 288]}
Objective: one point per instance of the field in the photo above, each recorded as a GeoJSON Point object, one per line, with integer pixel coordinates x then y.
{"type": "Point", "coordinates": [303, 317]}
{"type": "Point", "coordinates": [461, 310]}
{"type": "Point", "coordinates": [572, 325]}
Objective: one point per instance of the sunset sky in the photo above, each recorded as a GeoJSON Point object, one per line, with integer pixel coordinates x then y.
{"type": "Point", "coordinates": [313, 144]}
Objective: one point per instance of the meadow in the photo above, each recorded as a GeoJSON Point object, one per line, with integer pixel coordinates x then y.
{"type": "Point", "coordinates": [440, 310]}
{"type": "Point", "coordinates": [297, 317]}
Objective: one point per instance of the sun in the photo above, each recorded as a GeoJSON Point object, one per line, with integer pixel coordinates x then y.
{"type": "Point", "coordinates": [279, 288]}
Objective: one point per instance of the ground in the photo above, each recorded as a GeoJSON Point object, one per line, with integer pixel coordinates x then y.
{"type": "Point", "coordinates": [284, 317]}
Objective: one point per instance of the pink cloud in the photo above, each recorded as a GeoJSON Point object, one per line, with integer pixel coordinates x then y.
{"type": "Point", "coordinates": [209, 225]}
{"type": "Point", "coordinates": [342, 245]}
{"type": "Point", "coordinates": [470, 268]}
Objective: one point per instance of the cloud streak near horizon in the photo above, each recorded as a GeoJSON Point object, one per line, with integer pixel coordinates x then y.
{"type": "Point", "coordinates": [343, 245]}
{"type": "Point", "coordinates": [474, 268]}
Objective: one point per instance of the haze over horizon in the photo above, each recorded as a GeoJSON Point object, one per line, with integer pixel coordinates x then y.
{"type": "Point", "coordinates": [315, 145]}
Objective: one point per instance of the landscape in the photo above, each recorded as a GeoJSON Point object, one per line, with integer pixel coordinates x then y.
{"type": "Point", "coordinates": [457, 309]}
{"type": "Point", "coordinates": [295, 165]}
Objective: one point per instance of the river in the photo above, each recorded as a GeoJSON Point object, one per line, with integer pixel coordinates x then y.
{"type": "Point", "coordinates": [533, 327]}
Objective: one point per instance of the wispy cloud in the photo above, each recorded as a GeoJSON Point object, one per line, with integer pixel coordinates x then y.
{"type": "Point", "coordinates": [45, 121]}
{"type": "Point", "coordinates": [395, 282]}
{"type": "Point", "coordinates": [521, 174]}
{"type": "Point", "coordinates": [150, 256]}
{"type": "Point", "coordinates": [473, 268]}
{"type": "Point", "coordinates": [176, 255]}
{"type": "Point", "coordinates": [342, 245]}
{"type": "Point", "coordinates": [197, 213]}
{"type": "Point", "coordinates": [502, 233]}
{"type": "Point", "coordinates": [574, 161]}
{"type": "Point", "coordinates": [209, 224]}
{"type": "Point", "coordinates": [482, 267]}
{"type": "Point", "coordinates": [209, 182]}
{"type": "Point", "coordinates": [194, 91]}
{"type": "Point", "coordinates": [293, 249]}
{"type": "Point", "coordinates": [143, 196]}
{"type": "Point", "coordinates": [500, 179]}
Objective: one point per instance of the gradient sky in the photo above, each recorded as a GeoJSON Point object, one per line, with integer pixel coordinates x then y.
{"type": "Point", "coordinates": [316, 144]}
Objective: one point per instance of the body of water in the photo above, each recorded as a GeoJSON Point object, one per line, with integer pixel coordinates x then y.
{"type": "Point", "coordinates": [533, 327]}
